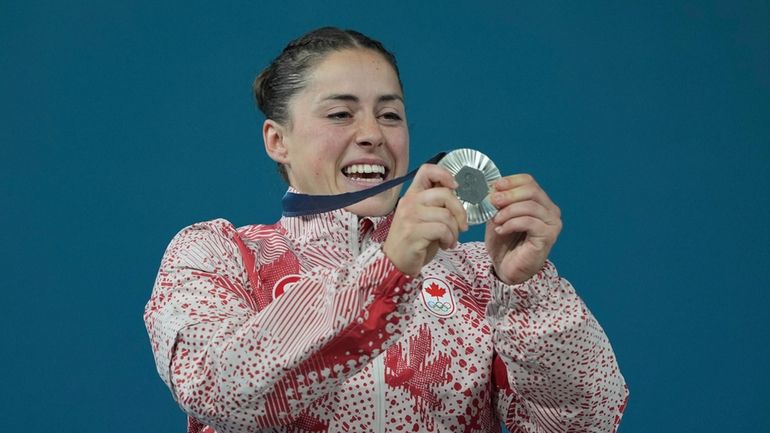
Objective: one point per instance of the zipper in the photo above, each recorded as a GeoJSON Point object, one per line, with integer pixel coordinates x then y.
{"type": "Point", "coordinates": [353, 235]}
{"type": "Point", "coordinates": [378, 363]}
{"type": "Point", "coordinates": [378, 371]}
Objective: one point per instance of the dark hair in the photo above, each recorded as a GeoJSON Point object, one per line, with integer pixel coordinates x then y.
{"type": "Point", "coordinates": [286, 74]}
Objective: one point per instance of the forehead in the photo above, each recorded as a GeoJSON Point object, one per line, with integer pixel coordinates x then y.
{"type": "Point", "coordinates": [353, 71]}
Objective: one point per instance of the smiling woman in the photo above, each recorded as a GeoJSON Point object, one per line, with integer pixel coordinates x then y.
{"type": "Point", "coordinates": [348, 118]}
{"type": "Point", "coordinates": [374, 317]}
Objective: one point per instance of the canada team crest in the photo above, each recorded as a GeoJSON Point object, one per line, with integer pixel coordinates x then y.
{"type": "Point", "coordinates": [437, 297]}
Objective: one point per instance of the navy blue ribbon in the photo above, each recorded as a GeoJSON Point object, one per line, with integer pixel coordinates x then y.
{"type": "Point", "coordinates": [295, 204]}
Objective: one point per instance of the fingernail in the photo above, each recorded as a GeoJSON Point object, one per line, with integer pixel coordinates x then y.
{"type": "Point", "coordinates": [497, 197]}
{"type": "Point", "coordinates": [498, 230]}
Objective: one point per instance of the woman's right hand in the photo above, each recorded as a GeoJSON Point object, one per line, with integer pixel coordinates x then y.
{"type": "Point", "coordinates": [429, 216]}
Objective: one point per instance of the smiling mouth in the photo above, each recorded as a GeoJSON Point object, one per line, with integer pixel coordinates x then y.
{"type": "Point", "coordinates": [371, 173]}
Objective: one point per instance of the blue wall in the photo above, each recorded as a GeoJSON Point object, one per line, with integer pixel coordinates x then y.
{"type": "Point", "coordinates": [648, 123]}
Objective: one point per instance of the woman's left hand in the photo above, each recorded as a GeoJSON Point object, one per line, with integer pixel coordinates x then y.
{"type": "Point", "coordinates": [523, 231]}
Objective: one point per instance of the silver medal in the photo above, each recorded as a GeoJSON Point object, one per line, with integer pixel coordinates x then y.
{"type": "Point", "coordinates": [474, 172]}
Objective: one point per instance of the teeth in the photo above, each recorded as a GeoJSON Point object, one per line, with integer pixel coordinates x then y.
{"type": "Point", "coordinates": [365, 168]}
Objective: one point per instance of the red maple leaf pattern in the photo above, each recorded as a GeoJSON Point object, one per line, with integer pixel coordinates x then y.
{"type": "Point", "coordinates": [435, 290]}
{"type": "Point", "coordinates": [418, 371]}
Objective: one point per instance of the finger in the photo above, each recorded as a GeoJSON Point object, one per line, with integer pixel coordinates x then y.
{"type": "Point", "coordinates": [458, 211]}
{"type": "Point", "coordinates": [439, 232]}
{"type": "Point", "coordinates": [523, 224]}
{"type": "Point", "coordinates": [430, 176]}
{"type": "Point", "coordinates": [524, 208]}
{"type": "Point", "coordinates": [529, 191]}
{"type": "Point", "coordinates": [440, 215]}
{"type": "Point", "coordinates": [513, 181]}
{"type": "Point", "coordinates": [437, 196]}
{"type": "Point", "coordinates": [443, 197]}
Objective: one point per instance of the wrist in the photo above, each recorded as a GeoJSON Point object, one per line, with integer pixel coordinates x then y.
{"type": "Point", "coordinates": [397, 261]}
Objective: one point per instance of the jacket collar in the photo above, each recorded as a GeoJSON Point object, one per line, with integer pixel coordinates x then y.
{"type": "Point", "coordinates": [335, 226]}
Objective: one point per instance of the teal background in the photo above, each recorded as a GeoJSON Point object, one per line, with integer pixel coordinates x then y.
{"type": "Point", "coordinates": [647, 122]}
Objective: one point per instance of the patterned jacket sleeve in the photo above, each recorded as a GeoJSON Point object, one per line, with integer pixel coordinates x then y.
{"type": "Point", "coordinates": [554, 370]}
{"type": "Point", "coordinates": [239, 368]}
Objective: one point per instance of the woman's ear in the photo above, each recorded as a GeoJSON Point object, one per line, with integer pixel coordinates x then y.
{"type": "Point", "coordinates": [273, 135]}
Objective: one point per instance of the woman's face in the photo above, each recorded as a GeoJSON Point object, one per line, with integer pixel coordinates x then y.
{"type": "Point", "coordinates": [347, 130]}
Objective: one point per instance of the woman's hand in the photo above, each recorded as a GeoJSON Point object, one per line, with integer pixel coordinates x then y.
{"type": "Point", "coordinates": [429, 216]}
{"type": "Point", "coordinates": [525, 228]}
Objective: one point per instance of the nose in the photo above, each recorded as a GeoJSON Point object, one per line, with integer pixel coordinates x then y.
{"type": "Point", "coordinates": [369, 132]}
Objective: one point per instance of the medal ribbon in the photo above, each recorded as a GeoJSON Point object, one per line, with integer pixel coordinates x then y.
{"type": "Point", "coordinates": [296, 204]}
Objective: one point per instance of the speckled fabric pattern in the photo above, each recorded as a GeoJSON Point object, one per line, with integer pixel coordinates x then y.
{"type": "Point", "coordinates": [305, 326]}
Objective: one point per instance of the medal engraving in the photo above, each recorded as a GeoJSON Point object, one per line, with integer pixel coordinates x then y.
{"type": "Point", "coordinates": [474, 172]}
{"type": "Point", "coordinates": [473, 188]}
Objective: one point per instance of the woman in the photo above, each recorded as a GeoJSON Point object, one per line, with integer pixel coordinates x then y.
{"type": "Point", "coordinates": [373, 317]}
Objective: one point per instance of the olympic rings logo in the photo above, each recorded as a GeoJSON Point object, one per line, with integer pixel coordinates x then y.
{"type": "Point", "coordinates": [440, 306]}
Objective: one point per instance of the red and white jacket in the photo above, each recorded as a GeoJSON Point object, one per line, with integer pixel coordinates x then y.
{"type": "Point", "coordinates": [306, 326]}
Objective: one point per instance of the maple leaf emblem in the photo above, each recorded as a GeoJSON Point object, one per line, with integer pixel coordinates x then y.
{"type": "Point", "coordinates": [418, 370]}
{"type": "Point", "coordinates": [435, 290]}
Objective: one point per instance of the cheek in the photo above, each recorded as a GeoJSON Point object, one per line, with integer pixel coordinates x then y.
{"type": "Point", "coordinates": [400, 147]}
{"type": "Point", "coordinates": [400, 139]}
{"type": "Point", "coordinates": [331, 146]}
{"type": "Point", "coordinates": [322, 149]}
{"type": "Point", "coordinates": [316, 164]}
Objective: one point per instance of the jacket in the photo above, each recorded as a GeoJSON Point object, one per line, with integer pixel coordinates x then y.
{"type": "Point", "coordinates": [306, 326]}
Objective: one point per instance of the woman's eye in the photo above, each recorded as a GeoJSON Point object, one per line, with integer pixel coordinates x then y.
{"type": "Point", "coordinates": [340, 115]}
{"type": "Point", "coordinates": [391, 116]}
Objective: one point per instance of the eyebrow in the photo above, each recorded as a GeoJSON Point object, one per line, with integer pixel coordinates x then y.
{"type": "Point", "coordinates": [354, 98]}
